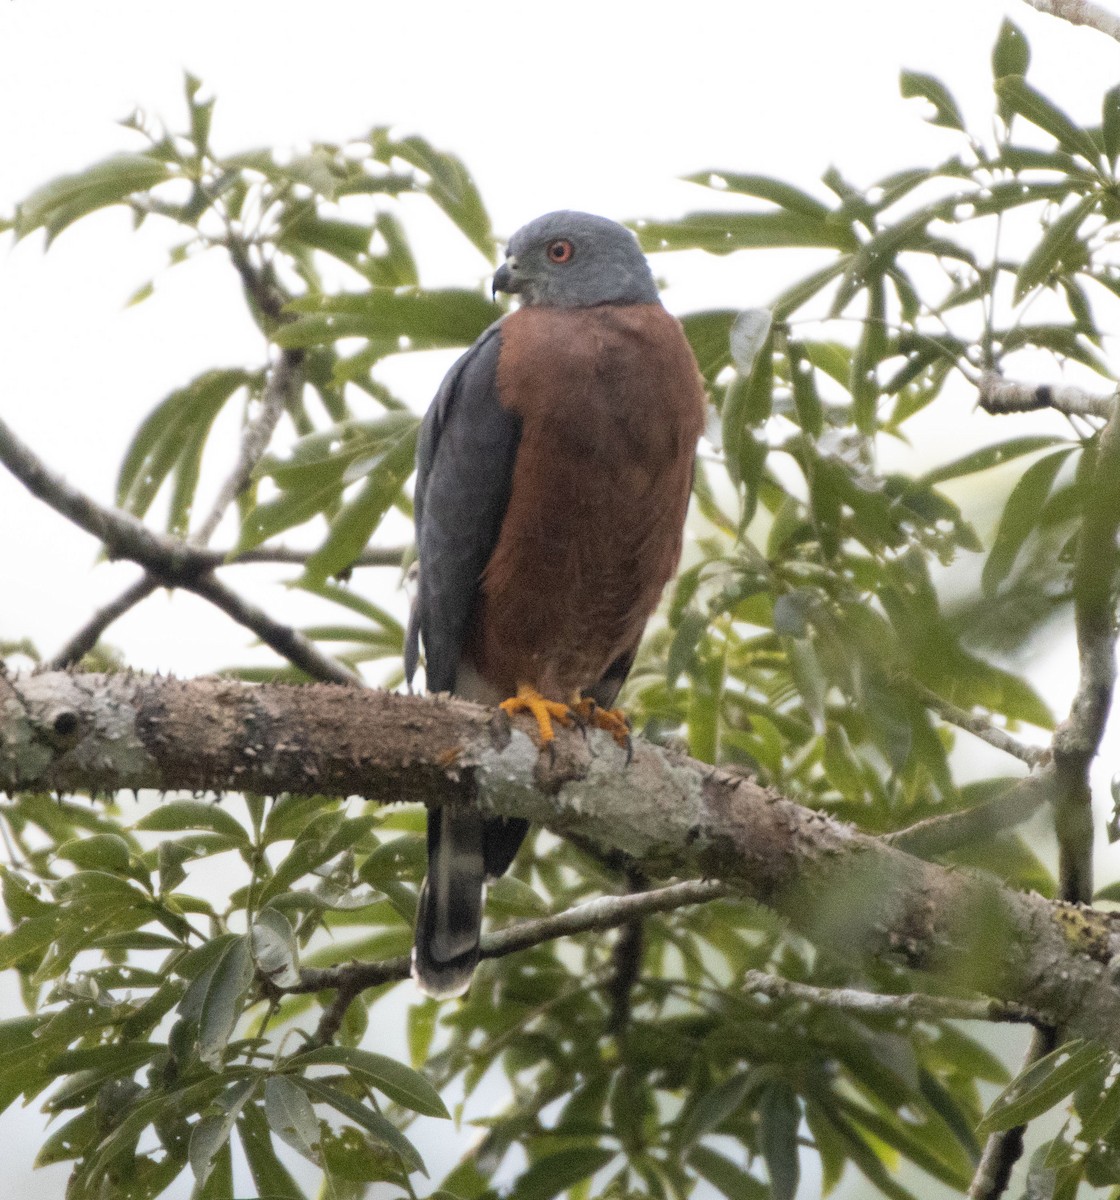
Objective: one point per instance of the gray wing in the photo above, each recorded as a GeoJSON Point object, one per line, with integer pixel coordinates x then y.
{"type": "Point", "coordinates": [464, 470]}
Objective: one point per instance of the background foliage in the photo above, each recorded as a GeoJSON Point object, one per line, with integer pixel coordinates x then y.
{"type": "Point", "coordinates": [815, 611]}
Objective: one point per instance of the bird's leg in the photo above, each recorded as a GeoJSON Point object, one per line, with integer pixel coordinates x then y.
{"type": "Point", "coordinates": [613, 720]}
{"type": "Point", "coordinates": [529, 700]}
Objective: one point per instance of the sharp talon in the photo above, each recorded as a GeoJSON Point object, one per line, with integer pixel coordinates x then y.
{"type": "Point", "coordinates": [544, 712]}
{"type": "Point", "coordinates": [628, 746]}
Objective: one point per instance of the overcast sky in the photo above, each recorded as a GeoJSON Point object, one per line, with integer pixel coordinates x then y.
{"type": "Point", "coordinates": [596, 105]}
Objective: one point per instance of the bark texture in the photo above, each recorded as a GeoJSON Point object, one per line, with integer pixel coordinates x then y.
{"type": "Point", "coordinates": [673, 817]}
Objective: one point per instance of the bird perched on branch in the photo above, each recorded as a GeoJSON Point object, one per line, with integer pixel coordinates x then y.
{"type": "Point", "coordinates": [553, 474]}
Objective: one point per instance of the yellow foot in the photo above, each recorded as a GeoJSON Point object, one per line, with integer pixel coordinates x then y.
{"type": "Point", "coordinates": [545, 711]}
{"type": "Point", "coordinates": [613, 720]}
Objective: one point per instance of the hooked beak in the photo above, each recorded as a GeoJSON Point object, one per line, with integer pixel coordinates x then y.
{"type": "Point", "coordinates": [505, 279]}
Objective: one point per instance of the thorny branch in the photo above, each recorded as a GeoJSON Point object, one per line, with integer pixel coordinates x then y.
{"type": "Point", "coordinates": [850, 893]}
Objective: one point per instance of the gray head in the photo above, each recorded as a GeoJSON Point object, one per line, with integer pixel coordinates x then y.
{"type": "Point", "coordinates": [575, 260]}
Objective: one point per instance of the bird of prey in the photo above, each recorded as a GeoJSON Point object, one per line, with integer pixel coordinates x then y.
{"type": "Point", "coordinates": [554, 469]}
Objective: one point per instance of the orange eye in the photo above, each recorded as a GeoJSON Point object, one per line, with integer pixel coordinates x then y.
{"type": "Point", "coordinates": [559, 252]}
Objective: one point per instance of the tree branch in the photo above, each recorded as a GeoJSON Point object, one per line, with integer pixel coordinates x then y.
{"type": "Point", "coordinates": [289, 643]}
{"type": "Point", "coordinates": [1080, 12]}
{"type": "Point", "coordinates": [1078, 738]}
{"type": "Point", "coordinates": [978, 726]}
{"type": "Point", "coordinates": [607, 912]}
{"type": "Point", "coordinates": [998, 395]}
{"type": "Point", "coordinates": [283, 381]}
{"type": "Point", "coordinates": [914, 1006]}
{"type": "Point", "coordinates": [850, 893]}
{"type": "Point", "coordinates": [939, 835]}
{"type": "Point", "coordinates": [168, 559]}
{"type": "Point", "coordinates": [90, 633]}
{"type": "Point", "coordinates": [1004, 1148]}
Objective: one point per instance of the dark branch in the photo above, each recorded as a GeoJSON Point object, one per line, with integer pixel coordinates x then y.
{"type": "Point", "coordinates": [90, 633]}
{"type": "Point", "coordinates": [170, 561]}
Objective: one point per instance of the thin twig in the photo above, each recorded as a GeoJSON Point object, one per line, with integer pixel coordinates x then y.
{"type": "Point", "coordinates": [997, 395]}
{"type": "Point", "coordinates": [1080, 12]}
{"type": "Point", "coordinates": [914, 1005]}
{"type": "Point", "coordinates": [371, 556]}
{"type": "Point", "coordinates": [607, 912]}
{"type": "Point", "coordinates": [938, 835]}
{"type": "Point", "coordinates": [979, 726]}
{"type": "Point", "coordinates": [283, 381]}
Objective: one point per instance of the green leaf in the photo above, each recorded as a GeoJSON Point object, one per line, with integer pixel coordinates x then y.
{"type": "Point", "coordinates": [274, 948]}
{"type": "Point", "coordinates": [428, 319]}
{"type": "Point", "coordinates": [29, 936]}
{"type": "Point", "coordinates": [1052, 247]}
{"type": "Point", "coordinates": [709, 335]}
{"type": "Point", "coordinates": [372, 1122]}
{"type": "Point", "coordinates": [70, 197]}
{"type": "Point", "coordinates": [270, 1176]}
{"type": "Point", "coordinates": [1020, 516]}
{"type": "Point", "coordinates": [762, 187]}
{"type": "Point", "coordinates": [352, 529]}
{"type": "Point", "coordinates": [555, 1173]}
{"type": "Point", "coordinates": [779, 1117]}
{"type": "Point", "coordinates": [422, 1019]}
{"type": "Point", "coordinates": [869, 352]}
{"type": "Point", "coordinates": [102, 851]}
{"type": "Point", "coordinates": [400, 1083]}
{"type": "Point", "coordinates": [223, 1003]}
{"type": "Point", "coordinates": [1011, 54]}
{"type": "Point", "coordinates": [172, 437]}
{"type": "Point", "coordinates": [947, 114]}
{"type": "Point", "coordinates": [289, 509]}
{"type": "Point", "coordinates": [114, 1058]}
{"type": "Point", "coordinates": [806, 399]}
{"type": "Point", "coordinates": [726, 1176]}
{"type": "Point", "coordinates": [1110, 123]}
{"type": "Point", "coordinates": [449, 183]}
{"type": "Point", "coordinates": [986, 458]}
{"type": "Point", "coordinates": [712, 1107]}
{"type": "Point", "coordinates": [1042, 1085]}
{"type": "Point", "coordinates": [212, 1132]}
{"type": "Point", "coordinates": [291, 1116]}
{"type": "Point", "coordinates": [345, 240]}
{"type": "Point", "coordinates": [724, 232]}
{"type": "Point", "coordinates": [174, 816]}
{"type": "Point", "coordinates": [1032, 104]}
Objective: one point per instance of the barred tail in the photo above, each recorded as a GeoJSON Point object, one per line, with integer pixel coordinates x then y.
{"type": "Point", "coordinates": [449, 916]}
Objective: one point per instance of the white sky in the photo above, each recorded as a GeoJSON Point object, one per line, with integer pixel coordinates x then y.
{"type": "Point", "coordinates": [595, 105]}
